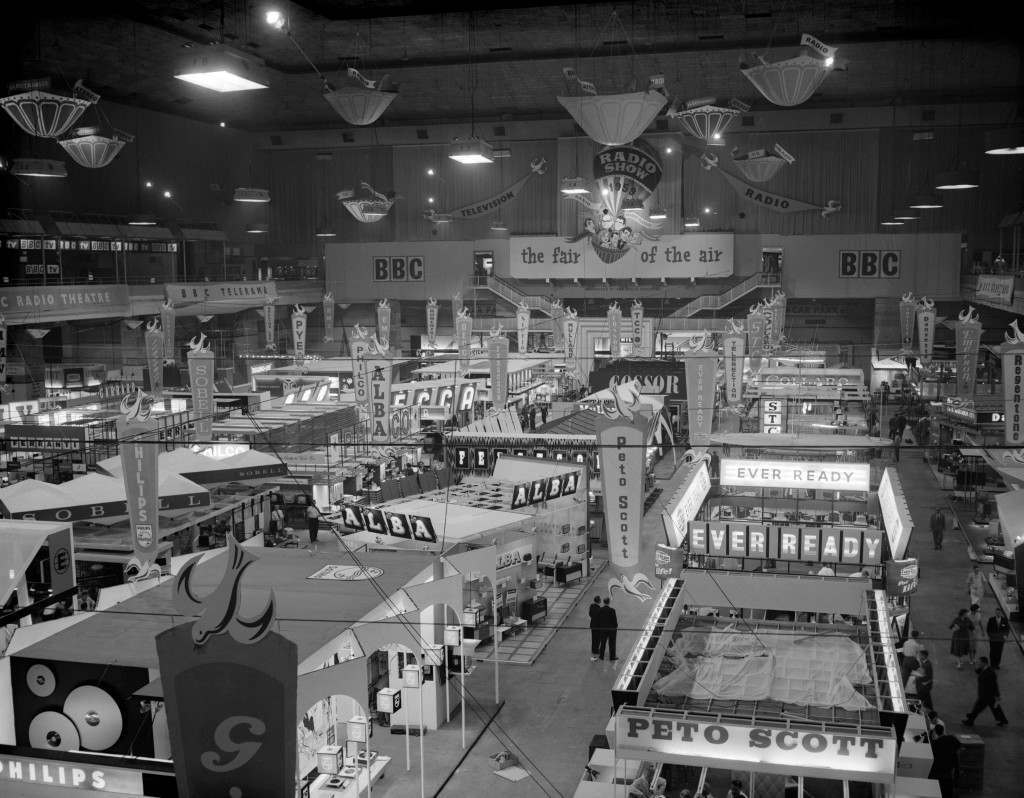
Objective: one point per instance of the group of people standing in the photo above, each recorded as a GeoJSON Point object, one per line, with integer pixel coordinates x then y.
{"type": "Point", "coordinates": [604, 627]}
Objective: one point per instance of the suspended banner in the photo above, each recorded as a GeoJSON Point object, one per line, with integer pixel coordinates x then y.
{"type": "Point", "coordinates": [522, 328]}
{"type": "Point", "coordinates": [733, 345]}
{"type": "Point", "coordinates": [456, 305]}
{"type": "Point", "coordinates": [3, 354]}
{"type": "Point", "coordinates": [362, 346]}
{"type": "Point", "coordinates": [202, 376]}
{"type": "Point", "coordinates": [379, 377]}
{"type": "Point", "coordinates": [230, 687]}
{"type": "Point", "coordinates": [328, 304]}
{"type": "Point", "coordinates": [621, 432]}
{"type": "Point", "coordinates": [299, 331]}
{"type": "Point", "coordinates": [1012, 353]}
{"type": "Point", "coordinates": [779, 300]}
{"type": "Point", "coordinates": [167, 319]}
{"type": "Point", "coordinates": [774, 202]}
{"type": "Point", "coordinates": [464, 335]}
{"type": "Point", "coordinates": [384, 323]}
{"type": "Point", "coordinates": [701, 371]}
{"type": "Point", "coordinates": [614, 331]}
{"type": "Point", "coordinates": [497, 354]}
{"type": "Point", "coordinates": [495, 202]}
{"type": "Point", "coordinates": [269, 323]}
{"type": "Point", "coordinates": [557, 324]}
{"type": "Point", "coordinates": [926, 327]}
{"type": "Point", "coordinates": [968, 340]}
{"type": "Point", "coordinates": [908, 312]}
{"type": "Point", "coordinates": [636, 321]}
{"type": "Point", "coordinates": [770, 327]}
{"type": "Point", "coordinates": [757, 329]}
{"type": "Point", "coordinates": [432, 322]}
{"type": "Point", "coordinates": [137, 446]}
{"type": "Point", "coordinates": [571, 331]}
{"type": "Point", "coordinates": [155, 356]}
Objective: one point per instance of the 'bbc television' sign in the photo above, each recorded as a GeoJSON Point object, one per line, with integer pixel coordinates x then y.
{"type": "Point", "coordinates": [883, 263]}
{"type": "Point", "coordinates": [398, 269]}
{"type": "Point", "coordinates": [848, 545]}
{"type": "Point", "coordinates": [399, 525]}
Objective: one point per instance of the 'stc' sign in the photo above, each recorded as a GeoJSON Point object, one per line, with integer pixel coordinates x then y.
{"type": "Point", "coordinates": [398, 268]}
{"type": "Point", "coordinates": [869, 263]}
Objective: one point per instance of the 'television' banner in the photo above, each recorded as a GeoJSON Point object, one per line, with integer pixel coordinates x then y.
{"type": "Point", "coordinates": [697, 255]}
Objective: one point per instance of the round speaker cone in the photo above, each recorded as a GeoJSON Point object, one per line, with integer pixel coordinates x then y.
{"type": "Point", "coordinates": [97, 716]}
{"type": "Point", "coordinates": [41, 680]}
{"type": "Point", "coordinates": [53, 731]}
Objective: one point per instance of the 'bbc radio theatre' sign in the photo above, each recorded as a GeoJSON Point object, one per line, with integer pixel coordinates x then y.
{"type": "Point", "coordinates": [884, 263]}
{"type": "Point", "coordinates": [398, 269]}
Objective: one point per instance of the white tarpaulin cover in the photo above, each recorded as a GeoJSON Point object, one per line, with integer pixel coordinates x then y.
{"type": "Point", "coordinates": [788, 666]}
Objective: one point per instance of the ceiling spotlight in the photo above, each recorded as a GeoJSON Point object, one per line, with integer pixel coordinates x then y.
{"type": "Point", "coordinates": [668, 150]}
{"type": "Point", "coordinates": [324, 232]}
{"type": "Point", "coordinates": [716, 136]}
{"type": "Point", "coordinates": [906, 218]}
{"type": "Point", "coordinates": [430, 172]}
{"type": "Point", "coordinates": [256, 228]}
{"type": "Point", "coordinates": [1006, 141]}
{"type": "Point", "coordinates": [707, 209]}
{"type": "Point", "coordinates": [430, 200]}
{"type": "Point", "coordinates": [275, 19]}
{"type": "Point", "coordinates": [149, 184]}
{"type": "Point", "coordinates": [830, 61]}
{"type": "Point", "coordinates": [223, 124]}
{"type": "Point", "coordinates": [928, 201]}
{"type": "Point", "coordinates": [604, 191]}
{"type": "Point", "coordinates": [956, 180]}
{"type": "Point", "coordinates": [221, 70]}
{"type": "Point", "coordinates": [574, 185]}
{"type": "Point", "coordinates": [167, 194]}
{"type": "Point", "coordinates": [471, 150]}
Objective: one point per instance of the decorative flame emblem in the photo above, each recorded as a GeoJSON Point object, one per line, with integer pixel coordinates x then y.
{"type": "Point", "coordinates": [168, 304]}
{"type": "Point", "coordinates": [136, 407]}
{"type": "Point", "coordinates": [638, 305]}
{"type": "Point", "coordinates": [431, 302]}
{"type": "Point", "coordinates": [464, 312]}
{"type": "Point", "coordinates": [969, 315]}
{"type": "Point", "coordinates": [704, 342]}
{"type": "Point", "coordinates": [496, 331]}
{"type": "Point", "coordinates": [570, 313]}
{"type": "Point", "coordinates": [926, 304]}
{"type": "Point", "coordinates": [220, 611]}
{"type": "Point", "coordinates": [1018, 335]}
{"type": "Point", "coordinates": [630, 585]}
{"type": "Point", "coordinates": [736, 326]}
{"type": "Point", "coordinates": [329, 297]}
{"type": "Point", "coordinates": [384, 303]}
{"type": "Point", "coordinates": [199, 344]}
{"type": "Point", "coordinates": [620, 406]}
{"type": "Point", "coordinates": [614, 306]}
{"type": "Point", "coordinates": [523, 307]}
{"type": "Point", "coordinates": [153, 325]}
{"type": "Point", "coordinates": [556, 302]}
{"type": "Point", "coordinates": [299, 309]}
{"type": "Point", "coordinates": [909, 298]}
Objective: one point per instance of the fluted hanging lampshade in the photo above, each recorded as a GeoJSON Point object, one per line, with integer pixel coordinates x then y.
{"type": "Point", "coordinates": [706, 121]}
{"type": "Point", "coordinates": [47, 114]}
{"type": "Point", "coordinates": [93, 147]}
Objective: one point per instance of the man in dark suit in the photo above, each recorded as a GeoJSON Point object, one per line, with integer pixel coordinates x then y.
{"type": "Point", "coordinates": [609, 623]}
{"type": "Point", "coordinates": [945, 761]}
{"type": "Point", "coordinates": [595, 628]}
{"type": "Point", "coordinates": [988, 694]}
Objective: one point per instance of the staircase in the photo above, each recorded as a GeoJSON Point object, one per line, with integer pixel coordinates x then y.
{"type": "Point", "coordinates": [726, 298]}
{"type": "Point", "coordinates": [510, 293]}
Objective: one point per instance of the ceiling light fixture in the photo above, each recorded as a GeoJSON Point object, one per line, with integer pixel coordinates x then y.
{"type": "Point", "coordinates": [40, 112]}
{"type": "Point", "coordinates": [256, 228]}
{"type": "Point", "coordinates": [142, 220]}
{"type": "Point", "coordinates": [1006, 141]}
{"type": "Point", "coordinates": [657, 214]}
{"type": "Point", "coordinates": [93, 147]}
{"type": "Point", "coordinates": [691, 221]}
{"type": "Point", "coordinates": [891, 223]}
{"type": "Point", "coordinates": [574, 185]}
{"type": "Point", "coordinates": [471, 150]}
{"type": "Point", "coordinates": [957, 180]}
{"type": "Point", "coordinates": [324, 232]}
{"type": "Point", "coordinates": [222, 70]}
{"type": "Point", "coordinates": [498, 226]}
{"type": "Point", "coordinates": [906, 218]}
{"type": "Point", "coordinates": [260, 195]}
{"type": "Point", "coordinates": [168, 194]}
{"type": "Point", "coordinates": [38, 167]}
{"type": "Point", "coordinates": [925, 201]}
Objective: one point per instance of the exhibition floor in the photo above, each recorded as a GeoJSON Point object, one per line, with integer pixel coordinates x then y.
{"type": "Point", "coordinates": [554, 707]}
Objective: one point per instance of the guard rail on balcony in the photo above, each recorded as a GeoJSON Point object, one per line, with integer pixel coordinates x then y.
{"type": "Point", "coordinates": [510, 293]}
{"type": "Point", "coordinates": [727, 297]}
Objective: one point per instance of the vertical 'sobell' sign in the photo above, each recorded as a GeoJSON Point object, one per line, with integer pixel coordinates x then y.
{"type": "Point", "coordinates": [136, 434]}
{"type": "Point", "coordinates": [620, 441]}
{"type": "Point", "coordinates": [201, 374]}
{"type": "Point", "coordinates": [230, 686]}
{"type": "Point", "coordinates": [155, 356]}
{"type": "Point", "coordinates": [1013, 385]}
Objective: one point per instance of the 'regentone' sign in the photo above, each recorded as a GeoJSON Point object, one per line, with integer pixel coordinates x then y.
{"type": "Point", "coordinates": [770, 747]}
{"type": "Point", "coordinates": [850, 545]}
{"type": "Point", "coordinates": [784, 474]}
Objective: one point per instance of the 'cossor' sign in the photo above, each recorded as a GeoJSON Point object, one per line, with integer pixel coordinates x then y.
{"type": "Point", "coordinates": [773, 748]}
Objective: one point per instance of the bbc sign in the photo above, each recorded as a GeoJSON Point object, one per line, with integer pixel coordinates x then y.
{"type": "Point", "coordinates": [398, 269]}
{"type": "Point", "coordinates": [883, 263]}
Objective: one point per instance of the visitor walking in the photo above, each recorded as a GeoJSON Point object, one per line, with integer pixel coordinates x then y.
{"type": "Point", "coordinates": [609, 621]}
{"type": "Point", "coordinates": [313, 522]}
{"type": "Point", "coordinates": [960, 644]}
{"type": "Point", "coordinates": [976, 585]}
{"type": "Point", "coordinates": [988, 695]}
{"type": "Point", "coordinates": [925, 679]}
{"type": "Point", "coordinates": [977, 631]}
{"type": "Point", "coordinates": [998, 629]}
{"type": "Point", "coordinates": [595, 628]}
{"type": "Point", "coordinates": [533, 417]}
{"type": "Point", "coordinates": [938, 526]}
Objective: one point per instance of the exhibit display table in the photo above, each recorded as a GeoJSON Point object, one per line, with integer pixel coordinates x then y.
{"type": "Point", "coordinates": [350, 787]}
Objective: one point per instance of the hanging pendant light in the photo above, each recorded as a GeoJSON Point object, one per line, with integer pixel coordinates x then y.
{"type": "Point", "coordinates": [38, 167]}
{"type": "Point", "coordinates": [925, 202]}
{"type": "Point", "coordinates": [574, 185]}
{"type": "Point", "coordinates": [956, 180]}
{"type": "Point", "coordinates": [93, 147]}
{"type": "Point", "coordinates": [1006, 141]}
{"type": "Point", "coordinates": [40, 112]}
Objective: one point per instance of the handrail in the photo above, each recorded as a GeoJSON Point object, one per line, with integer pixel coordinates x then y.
{"type": "Point", "coordinates": [716, 301]}
{"type": "Point", "coordinates": [510, 293]}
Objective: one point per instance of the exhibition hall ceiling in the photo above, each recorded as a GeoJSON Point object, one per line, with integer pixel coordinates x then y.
{"type": "Point", "coordinates": [453, 63]}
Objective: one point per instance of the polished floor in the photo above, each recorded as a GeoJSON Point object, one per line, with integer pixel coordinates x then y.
{"type": "Point", "coordinates": [552, 708]}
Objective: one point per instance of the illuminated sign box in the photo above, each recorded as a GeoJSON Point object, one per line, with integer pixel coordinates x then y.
{"type": "Point", "coordinates": [786, 474]}
{"type": "Point", "coordinates": [685, 508]}
{"type": "Point", "coordinates": [849, 545]}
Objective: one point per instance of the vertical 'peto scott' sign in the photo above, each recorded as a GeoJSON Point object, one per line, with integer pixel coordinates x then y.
{"type": "Point", "coordinates": [621, 442]}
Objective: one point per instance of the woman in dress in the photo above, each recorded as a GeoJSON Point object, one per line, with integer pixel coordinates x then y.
{"type": "Point", "coordinates": [977, 633]}
{"type": "Point", "coordinates": [960, 645]}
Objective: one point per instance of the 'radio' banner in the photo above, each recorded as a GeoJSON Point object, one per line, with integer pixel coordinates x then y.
{"type": "Point", "coordinates": [137, 446]}
{"type": "Point", "coordinates": [202, 376]}
{"type": "Point", "coordinates": [497, 353]}
{"type": "Point", "coordinates": [614, 331]}
{"type": "Point", "coordinates": [522, 328]}
{"type": "Point", "coordinates": [968, 340]}
{"type": "Point", "coordinates": [155, 356]}
{"type": "Point", "coordinates": [734, 345]}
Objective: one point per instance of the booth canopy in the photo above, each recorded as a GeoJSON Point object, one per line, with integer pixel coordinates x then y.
{"type": "Point", "coordinates": [20, 541]}
{"type": "Point", "coordinates": [248, 465]}
{"type": "Point", "coordinates": [797, 441]}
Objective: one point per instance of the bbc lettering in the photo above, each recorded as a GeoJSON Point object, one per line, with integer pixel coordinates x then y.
{"type": "Point", "coordinates": [869, 263]}
{"type": "Point", "coordinates": [398, 269]}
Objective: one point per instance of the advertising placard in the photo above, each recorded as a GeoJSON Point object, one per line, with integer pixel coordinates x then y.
{"type": "Point", "coordinates": [734, 346]}
{"type": "Point", "coordinates": [686, 503]}
{"type": "Point", "coordinates": [968, 341]}
{"type": "Point", "coordinates": [168, 319]}
{"type": "Point", "coordinates": [788, 474]}
{"type": "Point", "coordinates": [497, 355]}
{"type": "Point", "coordinates": [522, 328]}
{"type": "Point", "coordinates": [614, 331]}
{"type": "Point", "coordinates": [996, 288]}
{"type": "Point", "coordinates": [701, 382]}
{"type": "Point", "coordinates": [652, 377]}
{"type": "Point", "coordinates": [833, 544]}
{"type": "Point", "coordinates": [378, 375]}
{"type": "Point", "coordinates": [464, 335]}
{"type": "Point", "coordinates": [299, 332]}
{"type": "Point", "coordinates": [620, 438]}
{"type": "Point", "coordinates": [202, 375]}
{"type": "Point", "coordinates": [908, 313]}
{"type": "Point", "coordinates": [384, 323]}
{"type": "Point", "coordinates": [154, 340]}
{"type": "Point", "coordinates": [328, 305]}
{"type": "Point", "coordinates": [926, 328]}
{"type": "Point", "coordinates": [40, 303]}
{"type": "Point", "coordinates": [668, 561]}
{"type": "Point", "coordinates": [139, 452]}
{"type": "Point", "coordinates": [1012, 356]}
{"type": "Point", "coordinates": [636, 324]}
{"type": "Point", "coordinates": [432, 311]}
